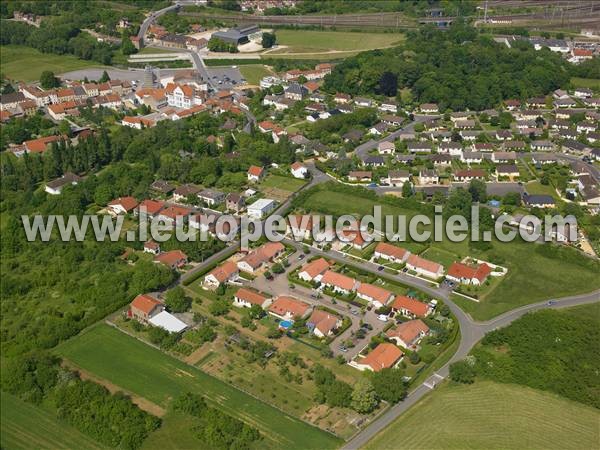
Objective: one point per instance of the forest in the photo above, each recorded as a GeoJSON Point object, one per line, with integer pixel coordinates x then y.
{"type": "Point", "coordinates": [457, 69]}
{"type": "Point", "coordinates": [551, 350]}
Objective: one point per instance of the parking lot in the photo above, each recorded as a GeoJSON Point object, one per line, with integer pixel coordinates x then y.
{"type": "Point", "coordinates": [226, 77]}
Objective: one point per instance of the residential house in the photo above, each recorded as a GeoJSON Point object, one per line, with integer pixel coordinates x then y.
{"type": "Point", "coordinates": [256, 173]}
{"type": "Point", "coordinates": [162, 187]}
{"type": "Point", "coordinates": [144, 307]}
{"type": "Point", "coordinates": [429, 108]}
{"type": "Point", "coordinates": [175, 259]}
{"type": "Point", "coordinates": [408, 334]}
{"type": "Point", "coordinates": [299, 170]}
{"type": "Point", "coordinates": [410, 307]}
{"type": "Point", "coordinates": [440, 160]}
{"type": "Point", "coordinates": [379, 128]}
{"type": "Point", "coordinates": [467, 175]}
{"type": "Point", "coordinates": [397, 178]}
{"type": "Point", "coordinates": [300, 226]}
{"type": "Point", "coordinates": [295, 91]}
{"type": "Point", "coordinates": [149, 207]}
{"type": "Point", "coordinates": [427, 176]}
{"type": "Point", "coordinates": [504, 157]}
{"type": "Point", "coordinates": [543, 146]}
{"type": "Point", "coordinates": [386, 148]}
{"type": "Point", "coordinates": [56, 186]}
{"type": "Point", "coordinates": [360, 175]}
{"type": "Point", "coordinates": [586, 127]}
{"type": "Point", "coordinates": [339, 283]}
{"type": "Point", "coordinates": [152, 247]}
{"type": "Point", "coordinates": [235, 202]}
{"type": "Point", "coordinates": [391, 253]}
{"type": "Point", "coordinates": [122, 205]}
{"type": "Point", "coordinates": [384, 356]}
{"type": "Point", "coordinates": [246, 298]}
{"type": "Point", "coordinates": [261, 208]}
{"type": "Point", "coordinates": [374, 161]}
{"type": "Point", "coordinates": [466, 274]}
{"type": "Point", "coordinates": [211, 197]}
{"type": "Point", "coordinates": [424, 267]}
{"type": "Point", "coordinates": [184, 191]}
{"type": "Point", "coordinates": [259, 257]}
{"type": "Point", "coordinates": [323, 324]}
{"type": "Point", "coordinates": [342, 98]}
{"type": "Point", "coordinates": [389, 105]}
{"type": "Point", "coordinates": [375, 295]}
{"type": "Point", "coordinates": [314, 270]}
{"type": "Point", "coordinates": [289, 308]}
{"type": "Point", "coordinates": [539, 201]}
{"type": "Point", "coordinates": [173, 213]}
{"type": "Point", "coordinates": [450, 148]}
{"type": "Point", "coordinates": [224, 273]}
{"type": "Point", "coordinates": [419, 147]}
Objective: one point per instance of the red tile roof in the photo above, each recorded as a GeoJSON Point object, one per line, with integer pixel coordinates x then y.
{"type": "Point", "coordinates": [223, 272]}
{"type": "Point", "coordinates": [173, 211]}
{"type": "Point", "coordinates": [152, 206]}
{"type": "Point", "coordinates": [255, 171]}
{"type": "Point", "coordinates": [425, 264]}
{"type": "Point", "coordinates": [382, 357]}
{"type": "Point", "coordinates": [145, 303]}
{"type": "Point", "coordinates": [409, 331]}
{"type": "Point", "coordinates": [375, 292]}
{"type": "Point", "coordinates": [460, 270]}
{"type": "Point", "coordinates": [323, 321]}
{"type": "Point", "coordinates": [171, 258]}
{"type": "Point", "coordinates": [410, 304]}
{"type": "Point", "coordinates": [316, 267]}
{"type": "Point", "coordinates": [337, 279]}
{"type": "Point", "coordinates": [283, 305]}
{"type": "Point", "coordinates": [391, 250]}
{"type": "Point", "coordinates": [128, 203]}
{"type": "Point", "coordinates": [250, 296]}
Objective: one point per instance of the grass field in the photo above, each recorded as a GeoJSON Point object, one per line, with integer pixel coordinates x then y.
{"type": "Point", "coordinates": [254, 72]}
{"type": "Point", "coordinates": [592, 83]}
{"type": "Point", "coordinates": [27, 64]}
{"type": "Point", "coordinates": [284, 183]}
{"type": "Point", "coordinates": [489, 415]}
{"type": "Point", "coordinates": [532, 273]}
{"type": "Point", "coordinates": [149, 373]}
{"type": "Point", "coordinates": [25, 426]}
{"type": "Point", "coordinates": [302, 41]}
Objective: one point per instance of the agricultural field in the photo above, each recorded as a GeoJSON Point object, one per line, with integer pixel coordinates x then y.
{"type": "Point", "coordinates": [254, 72]}
{"type": "Point", "coordinates": [492, 416]}
{"type": "Point", "coordinates": [26, 426]}
{"type": "Point", "coordinates": [27, 64]}
{"type": "Point", "coordinates": [533, 270]}
{"type": "Point", "coordinates": [157, 377]}
{"type": "Point", "coordinates": [592, 83]}
{"type": "Point", "coordinates": [323, 42]}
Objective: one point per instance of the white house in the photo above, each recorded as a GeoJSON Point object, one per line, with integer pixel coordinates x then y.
{"type": "Point", "coordinates": [246, 298]}
{"type": "Point", "coordinates": [261, 208]}
{"type": "Point", "coordinates": [299, 170]}
{"type": "Point", "coordinates": [386, 148]}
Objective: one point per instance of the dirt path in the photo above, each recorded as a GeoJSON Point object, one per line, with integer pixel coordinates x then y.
{"type": "Point", "coordinates": [141, 402]}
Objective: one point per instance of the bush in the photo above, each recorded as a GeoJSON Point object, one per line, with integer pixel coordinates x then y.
{"type": "Point", "coordinates": [462, 372]}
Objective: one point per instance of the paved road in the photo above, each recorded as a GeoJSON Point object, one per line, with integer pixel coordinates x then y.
{"type": "Point", "coordinates": [470, 335]}
{"type": "Point", "coordinates": [363, 150]}
{"type": "Point", "coordinates": [152, 17]}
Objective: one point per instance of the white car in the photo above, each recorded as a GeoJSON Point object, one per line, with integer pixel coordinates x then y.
{"type": "Point", "coordinates": [382, 317]}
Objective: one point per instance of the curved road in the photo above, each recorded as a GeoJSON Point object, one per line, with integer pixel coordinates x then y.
{"type": "Point", "coordinates": [152, 17]}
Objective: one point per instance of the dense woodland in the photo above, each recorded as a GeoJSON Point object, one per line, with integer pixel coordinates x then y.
{"type": "Point", "coordinates": [550, 350]}
{"type": "Point", "coordinates": [457, 69]}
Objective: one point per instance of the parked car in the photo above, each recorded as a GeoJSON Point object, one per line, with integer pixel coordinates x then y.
{"type": "Point", "coordinates": [380, 268]}
{"type": "Point", "coordinates": [382, 317]}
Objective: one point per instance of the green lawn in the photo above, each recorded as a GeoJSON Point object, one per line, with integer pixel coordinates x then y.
{"type": "Point", "coordinates": [439, 255]}
{"type": "Point", "coordinates": [302, 41]}
{"type": "Point", "coordinates": [149, 373]}
{"type": "Point", "coordinates": [535, 272]}
{"type": "Point", "coordinates": [26, 426]}
{"type": "Point", "coordinates": [535, 187]}
{"type": "Point", "coordinates": [489, 415]}
{"type": "Point", "coordinates": [175, 432]}
{"type": "Point", "coordinates": [592, 83]}
{"type": "Point", "coordinates": [284, 183]}
{"type": "Point", "coordinates": [254, 72]}
{"type": "Point", "coordinates": [27, 64]}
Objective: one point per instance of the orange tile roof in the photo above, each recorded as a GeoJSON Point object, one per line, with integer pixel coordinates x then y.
{"type": "Point", "coordinates": [409, 331]}
{"type": "Point", "coordinates": [65, 93]}
{"type": "Point", "coordinates": [145, 303]}
{"type": "Point", "coordinates": [316, 267]}
{"type": "Point", "coordinates": [382, 357]}
{"type": "Point", "coordinates": [425, 264]}
{"type": "Point", "coordinates": [152, 206]}
{"type": "Point", "coordinates": [40, 145]}
{"type": "Point", "coordinates": [255, 171]}
{"type": "Point", "coordinates": [266, 125]}
{"type": "Point", "coordinates": [375, 292]}
{"type": "Point", "coordinates": [323, 321]}
{"type": "Point", "coordinates": [128, 203]}
{"type": "Point", "coordinates": [283, 305]}
{"type": "Point", "coordinates": [171, 258]}
{"type": "Point", "coordinates": [224, 271]}
{"type": "Point", "coordinates": [173, 211]}
{"type": "Point", "coordinates": [250, 296]}
{"type": "Point", "coordinates": [337, 279]}
{"type": "Point", "coordinates": [391, 250]}
{"type": "Point", "coordinates": [410, 304]}
{"type": "Point", "coordinates": [460, 270]}
{"type": "Point", "coordinates": [188, 90]}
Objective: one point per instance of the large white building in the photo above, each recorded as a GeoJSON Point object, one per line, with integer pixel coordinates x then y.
{"type": "Point", "coordinates": [261, 208]}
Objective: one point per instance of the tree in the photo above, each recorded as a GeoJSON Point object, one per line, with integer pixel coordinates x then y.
{"type": "Point", "coordinates": [478, 191]}
{"type": "Point", "coordinates": [462, 372]}
{"type": "Point", "coordinates": [364, 398]}
{"type": "Point", "coordinates": [388, 84]}
{"type": "Point", "coordinates": [278, 268]}
{"type": "Point", "coordinates": [176, 300]}
{"type": "Point", "coordinates": [127, 47]}
{"type": "Point", "coordinates": [268, 40]}
{"type": "Point", "coordinates": [256, 312]}
{"type": "Point", "coordinates": [389, 385]}
{"type": "Point", "coordinates": [407, 189]}
{"type": "Point", "coordinates": [48, 80]}
{"type": "Point", "coordinates": [104, 78]}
